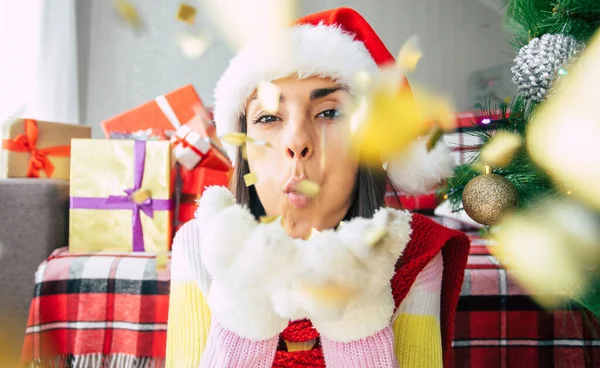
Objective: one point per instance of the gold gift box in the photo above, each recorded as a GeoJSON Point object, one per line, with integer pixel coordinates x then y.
{"type": "Point", "coordinates": [104, 168]}
{"type": "Point", "coordinates": [15, 164]}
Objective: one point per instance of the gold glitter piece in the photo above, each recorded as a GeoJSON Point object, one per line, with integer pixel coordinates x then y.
{"type": "Point", "coordinates": [140, 196]}
{"type": "Point", "coordinates": [308, 188]}
{"type": "Point", "coordinates": [387, 123]}
{"type": "Point", "coordinates": [410, 54]}
{"type": "Point", "coordinates": [192, 46]}
{"type": "Point", "coordinates": [313, 231]}
{"type": "Point", "coordinates": [374, 236]}
{"type": "Point", "coordinates": [434, 138]}
{"type": "Point", "coordinates": [235, 138]}
{"type": "Point", "coordinates": [258, 142]}
{"type": "Point", "coordinates": [250, 179]}
{"type": "Point", "coordinates": [563, 134]}
{"type": "Point", "coordinates": [487, 198]}
{"type": "Point", "coordinates": [162, 260]}
{"type": "Point", "coordinates": [244, 153]}
{"type": "Point", "coordinates": [323, 147]}
{"type": "Point", "coordinates": [328, 293]}
{"type": "Point", "coordinates": [186, 13]}
{"type": "Point", "coordinates": [501, 149]}
{"type": "Point", "coordinates": [267, 219]}
{"type": "Point", "coordinates": [128, 13]}
{"type": "Point", "coordinates": [269, 94]}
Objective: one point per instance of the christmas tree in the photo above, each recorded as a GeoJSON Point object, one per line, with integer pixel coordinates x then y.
{"type": "Point", "coordinates": [546, 205]}
{"type": "Point", "coordinates": [550, 35]}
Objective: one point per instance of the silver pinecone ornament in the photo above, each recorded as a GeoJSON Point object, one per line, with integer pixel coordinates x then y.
{"type": "Point", "coordinates": [538, 63]}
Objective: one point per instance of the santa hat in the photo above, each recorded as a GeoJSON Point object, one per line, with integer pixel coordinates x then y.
{"type": "Point", "coordinates": [338, 44]}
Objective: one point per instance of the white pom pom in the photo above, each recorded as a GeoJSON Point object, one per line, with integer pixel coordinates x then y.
{"type": "Point", "coordinates": [214, 199]}
{"type": "Point", "coordinates": [223, 237]}
{"type": "Point", "coordinates": [417, 171]}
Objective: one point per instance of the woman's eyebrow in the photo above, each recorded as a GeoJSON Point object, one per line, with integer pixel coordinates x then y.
{"type": "Point", "coordinates": [322, 92]}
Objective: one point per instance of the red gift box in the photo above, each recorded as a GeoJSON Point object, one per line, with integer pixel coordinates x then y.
{"type": "Point", "coordinates": [166, 112]}
{"type": "Point", "coordinates": [193, 184]}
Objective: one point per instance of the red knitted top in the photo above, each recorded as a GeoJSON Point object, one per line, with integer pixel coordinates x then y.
{"type": "Point", "coordinates": [428, 239]}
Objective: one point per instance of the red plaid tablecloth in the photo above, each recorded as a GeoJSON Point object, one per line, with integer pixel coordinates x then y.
{"type": "Point", "coordinates": [94, 310]}
{"type": "Point", "coordinates": [499, 325]}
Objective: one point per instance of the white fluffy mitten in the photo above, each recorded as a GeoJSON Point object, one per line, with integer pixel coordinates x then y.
{"type": "Point", "coordinates": [247, 262]}
{"type": "Point", "coordinates": [345, 284]}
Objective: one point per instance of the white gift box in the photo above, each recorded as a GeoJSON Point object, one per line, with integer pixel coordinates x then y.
{"type": "Point", "coordinates": [189, 148]}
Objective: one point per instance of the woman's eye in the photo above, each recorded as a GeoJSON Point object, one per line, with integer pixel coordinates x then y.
{"type": "Point", "coordinates": [330, 114]}
{"type": "Point", "coordinates": [266, 119]}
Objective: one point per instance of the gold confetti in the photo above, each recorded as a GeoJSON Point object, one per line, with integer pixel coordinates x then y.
{"type": "Point", "coordinates": [441, 111]}
{"type": "Point", "coordinates": [313, 231]}
{"type": "Point", "coordinates": [387, 123]}
{"type": "Point", "coordinates": [434, 138]}
{"type": "Point", "coordinates": [186, 13]}
{"type": "Point", "coordinates": [236, 19]}
{"type": "Point", "coordinates": [500, 149]}
{"type": "Point", "coordinates": [162, 260]}
{"type": "Point", "coordinates": [192, 46]}
{"type": "Point", "coordinates": [410, 54]}
{"type": "Point", "coordinates": [140, 196]}
{"type": "Point", "coordinates": [234, 138]}
{"type": "Point", "coordinates": [564, 134]}
{"type": "Point", "coordinates": [244, 153]}
{"type": "Point", "coordinates": [559, 235]}
{"type": "Point", "coordinates": [374, 236]}
{"type": "Point", "coordinates": [258, 142]}
{"type": "Point", "coordinates": [362, 80]}
{"type": "Point", "coordinates": [323, 147]}
{"type": "Point", "coordinates": [308, 188]}
{"type": "Point", "coordinates": [329, 293]}
{"type": "Point", "coordinates": [250, 179]}
{"type": "Point", "coordinates": [128, 13]}
{"type": "Point", "coordinates": [267, 219]}
{"type": "Point", "coordinates": [269, 94]}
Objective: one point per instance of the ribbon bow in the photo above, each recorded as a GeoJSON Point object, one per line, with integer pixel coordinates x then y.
{"type": "Point", "coordinates": [139, 199]}
{"type": "Point", "coordinates": [38, 158]}
{"type": "Point", "coordinates": [183, 141]}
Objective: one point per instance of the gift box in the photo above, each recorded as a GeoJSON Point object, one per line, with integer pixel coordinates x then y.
{"type": "Point", "coordinates": [189, 148]}
{"type": "Point", "coordinates": [166, 112]}
{"type": "Point", "coordinates": [193, 183]}
{"type": "Point", "coordinates": [34, 149]}
{"type": "Point", "coordinates": [121, 195]}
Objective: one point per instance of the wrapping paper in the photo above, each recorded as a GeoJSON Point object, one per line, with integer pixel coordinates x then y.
{"type": "Point", "coordinates": [189, 147]}
{"type": "Point", "coordinates": [33, 148]}
{"type": "Point", "coordinates": [104, 175]}
{"type": "Point", "coordinates": [166, 112]}
{"type": "Point", "coordinates": [193, 184]}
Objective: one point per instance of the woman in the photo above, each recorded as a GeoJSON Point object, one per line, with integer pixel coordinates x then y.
{"type": "Point", "coordinates": [333, 285]}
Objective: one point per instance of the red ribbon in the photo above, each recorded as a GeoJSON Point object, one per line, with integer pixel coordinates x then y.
{"type": "Point", "coordinates": [38, 159]}
{"type": "Point", "coordinates": [186, 144]}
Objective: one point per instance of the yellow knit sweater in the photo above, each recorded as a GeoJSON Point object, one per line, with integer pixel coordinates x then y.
{"type": "Point", "coordinates": [415, 324]}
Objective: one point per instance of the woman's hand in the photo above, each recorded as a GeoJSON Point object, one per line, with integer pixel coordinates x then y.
{"type": "Point", "coordinates": [247, 262]}
{"type": "Point", "coordinates": [344, 287]}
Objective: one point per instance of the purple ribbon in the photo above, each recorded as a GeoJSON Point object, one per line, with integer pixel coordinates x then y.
{"type": "Point", "coordinates": [126, 202]}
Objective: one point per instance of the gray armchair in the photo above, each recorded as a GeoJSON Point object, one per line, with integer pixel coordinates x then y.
{"type": "Point", "coordinates": [33, 222]}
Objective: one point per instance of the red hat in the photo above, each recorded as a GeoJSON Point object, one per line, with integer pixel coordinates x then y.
{"type": "Point", "coordinates": [337, 44]}
{"type": "Point", "coordinates": [352, 22]}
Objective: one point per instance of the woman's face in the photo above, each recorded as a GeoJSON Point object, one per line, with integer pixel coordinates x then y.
{"type": "Point", "coordinates": [310, 135]}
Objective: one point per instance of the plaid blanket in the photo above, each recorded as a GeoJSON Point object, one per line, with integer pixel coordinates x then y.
{"type": "Point", "coordinates": [499, 325]}
{"type": "Point", "coordinates": [98, 310]}
{"type": "Point", "coordinates": [110, 310]}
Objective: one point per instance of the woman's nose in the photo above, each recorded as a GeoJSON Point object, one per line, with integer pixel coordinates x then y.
{"type": "Point", "coordinates": [299, 142]}
{"type": "Point", "coordinates": [300, 153]}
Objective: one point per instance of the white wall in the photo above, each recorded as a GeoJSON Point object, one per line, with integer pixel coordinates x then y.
{"type": "Point", "coordinates": [120, 69]}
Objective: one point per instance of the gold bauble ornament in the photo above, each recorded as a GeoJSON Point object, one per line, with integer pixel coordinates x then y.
{"type": "Point", "coordinates": [488, 197]}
